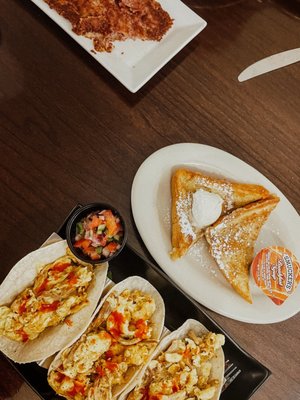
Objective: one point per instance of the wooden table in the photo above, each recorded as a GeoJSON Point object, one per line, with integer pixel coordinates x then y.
{"type": "Point", "coordinates": [70, 133]}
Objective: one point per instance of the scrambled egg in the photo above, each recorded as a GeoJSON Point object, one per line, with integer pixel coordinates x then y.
{"type": "Point", "coordinates": [116, 343]}
{"type": "Point", "coordinates": [82, 356]}
{"type": "Point", "coordinates": [129, 321]}
{"type": "Point", "coordinates": [182, 372]}
{"type": "Point", "coordinates": [59, 290]}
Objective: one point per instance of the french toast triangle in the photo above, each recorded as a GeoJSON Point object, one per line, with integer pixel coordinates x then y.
{"type": "Point", "coordinates": [184, 184]}
{"type": "Point", "coordinates": [232, 238]}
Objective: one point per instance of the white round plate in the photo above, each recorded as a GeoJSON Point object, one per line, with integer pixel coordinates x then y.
{"type": "Point", "coordinates": [197, 273]}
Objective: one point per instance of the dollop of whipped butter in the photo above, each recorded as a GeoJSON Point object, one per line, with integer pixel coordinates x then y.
{"type": "Point", "coordinates": [206, 208]}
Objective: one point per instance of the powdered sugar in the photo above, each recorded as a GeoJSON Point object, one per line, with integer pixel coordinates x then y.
{"type": "Point", "coordinates": [199, 255]}
{"type": "Point", "coordinates": [226, 240]}
{"type": "Point", "coordinates": [167, 218]}
{"type": "Point", "coordinates": [183, 205]}
{"type": "Point", "coordinates": [184, 202]}
{"type": "Point", "coordinates": [225, 189]}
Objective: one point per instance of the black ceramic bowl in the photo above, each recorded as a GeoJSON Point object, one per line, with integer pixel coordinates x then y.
{"type": "Point", "coordinates": [77, 217]}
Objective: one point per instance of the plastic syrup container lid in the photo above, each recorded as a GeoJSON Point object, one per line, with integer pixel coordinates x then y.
{"type": "Point", "coordinates": [276, 272]}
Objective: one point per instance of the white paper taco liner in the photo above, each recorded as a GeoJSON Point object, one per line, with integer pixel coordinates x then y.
{"type": "Point", "coordinates": [218, 364]}
{"type": "Point", "coordinates": [54, 338]}
{"type": "Point", "coordinates": [157, 319]}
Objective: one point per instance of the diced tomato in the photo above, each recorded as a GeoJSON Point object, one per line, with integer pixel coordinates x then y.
{"type": "Point", "coordinates": [94, 256]}
{"type": "Point", "coordinates": [42, 287]}
{"type": "Point", "coordinates": [82, 243]}
{"type": "Point", "coordinates": [112, 226]}
{"type": "Point", "coordinates": [49, 307]}
{"type": "Point", "coordinates": [94, 223]}
{"type": "Point", "coordinates": [91, 252]}
{"type": "Point", "coordinates": [112, 247]}
{"type": "Point", "coordinates": [72, 278]}
{"type": "Point", "coordinates": [102, 240]}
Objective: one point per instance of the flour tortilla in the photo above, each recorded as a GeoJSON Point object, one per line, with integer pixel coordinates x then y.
{"type": "Point", "coordinates": [157, 320]}
{"type": "Point", "coordinates": [217, 371]}
{"type": "Point", "coordinates": [54, 338]}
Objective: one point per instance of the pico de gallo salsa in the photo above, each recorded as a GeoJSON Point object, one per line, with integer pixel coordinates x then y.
{"type": "Point", "coordinates": [99, 235]}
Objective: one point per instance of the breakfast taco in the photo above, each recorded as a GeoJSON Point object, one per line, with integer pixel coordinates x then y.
{"type": "Point", "coordinates": [187, 364]}
{"type": "Point", "coordinates": [46, 302]}
{"type": "Point", "coordinates": [119, 341]}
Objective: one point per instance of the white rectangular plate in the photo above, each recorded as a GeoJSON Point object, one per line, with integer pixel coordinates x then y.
{"type": "Point", "coordinates": [134, 62]}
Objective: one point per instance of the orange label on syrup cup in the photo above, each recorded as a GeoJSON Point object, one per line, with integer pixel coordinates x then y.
{"type": "Point", "coordinates": [276, 272]}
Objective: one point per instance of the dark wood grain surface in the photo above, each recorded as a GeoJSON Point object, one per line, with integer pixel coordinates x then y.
{"type": "Point", "coordinates": [70, 133]}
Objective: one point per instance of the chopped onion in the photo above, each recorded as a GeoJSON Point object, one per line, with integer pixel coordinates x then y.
{"type": "Point", "coordinates": [105, 252]}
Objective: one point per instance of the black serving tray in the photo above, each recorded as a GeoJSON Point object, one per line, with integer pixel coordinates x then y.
{"type": "Point", "coordinates": [179, 307]}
